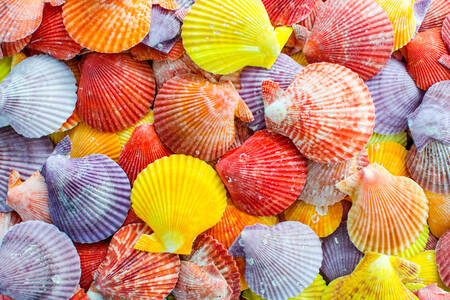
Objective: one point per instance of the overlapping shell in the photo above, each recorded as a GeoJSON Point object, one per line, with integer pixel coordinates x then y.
{"type": "Point", "coordinates": [164, 29]}
{"type": "Point", "coordinates": [282, 12]}
{"type": "Point", "coordinates": [389, 155]}
{"type": "Point", "coordinates": [435, 15]}
{"type": "Point", "coordinates": [428, 270]}
{"type": "Point", "coordinates": [7, 220]}
{"type": "Point", "coordinates": [125, 135]}
{"type": "Point", "coordinates": [91, 256]}
{"type": "Point", "coordinates": [442, 258]}
{"type": "Point", "coordinates": [439, 213]}
{"type": "Point", "coordinates": [19, 19]}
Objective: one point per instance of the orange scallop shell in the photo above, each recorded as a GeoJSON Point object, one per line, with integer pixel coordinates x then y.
{"type": "Point", "coordinates": [71, 122]}
{"type": "Point", "coordinates": [167, 4]}
{"type": "Point", "coordinates": [144, 52]}
{"type": "Point", "coordinates": [11, 48]}
{"type": "Point", "coordinates": [390, 155]}
{"type": "Point", "coordinates": [439, 213]}
{"type": "Point", "coordinates": [91, 256]}
{"type": "Point", "coordinates": [435, 14]}
{"type": "Point", "coordinates": [80, 295]}
{"type": "Point", "coordinates": [19, 18]}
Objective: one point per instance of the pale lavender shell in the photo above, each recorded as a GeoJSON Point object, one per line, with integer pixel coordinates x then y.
{"type": "Point", "coordinates": [420, 9]}
{"type": "Point", "coordinates": [282, 71]}
{"type": "Point", "coordinates": [89, 197]}
{"type": "Point", "coordinates": [38, 262]}
{"type": "Point", "coordinates": [395, 96]}
{"type": "Point", "coordinates": [281, 260]}
{"type": "Point", "coordinates": [184, 4]}
{"type": "Point", "coordinates": [431, 120]}
{"type": "Point", "coordinates": [22, 154]}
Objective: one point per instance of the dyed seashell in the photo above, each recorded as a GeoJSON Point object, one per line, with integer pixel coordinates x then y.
{"type": "Point", "coordinates": [265, 175]}
{"type": "Point", "coordinates": [445, 61]}
{"type": "Point", "coordinates": [395, 96]}
{"type": "Point", "coordinates": [88, 196]}
{"type": "Point", "coordinates": [389, 155]}
{"type": "Point", "coordinates": [91, 256]}
{"type": "Point", "coordinates": [243, 133]}
{"type": "Point", "coordinates": [168, 69]}
{"type": "Point", "coordinates": [38, 262]}
{"type": "Point", "coordinates": [311, 18]}
{"type": "Point", "coordinates": [191, 113]}
{"type": "Point", "coordinates": [283, 71]}
{"type": "Point", "coordinates": [324, 220]}
{"type": "Point", "coordinates": [90, 23]}
{"type": "Point", "coordinates": [19, 19]}
{"type": "Point", "coordinates": [169, 212]}
{"type": "Point", "coordinates": [80, 295]}
{"type": "Point", "coordinates": [282, 12]}
{"type": "Point", "coordinates": [399, 138]}
{"type": "Point", "coordinates": [300, 58]}
{"type": "Point", "coordinates": [445, 31]}
{"type": "Point", "coordinates": [418, 246]}
{"type": "Point", "coordinates": [206, 251]}
{"type": "Point", "coordinates": [115, 91]}
{"type": "Point", "coordinates": [71, 122]}
{"type": "Point", "coordinates": [125, 135]}
{"type": "Point", "coordinates": [439, 213]}
{"type": "Point", "coordinates": [436, 13]}
{"type": "Point", "coordinates": [12, 48]}
{"type": "Point", "coordinates": [431, 167]}
{"type": "Point", "coordinates": [144, 52]}
{"type": "Point", "coordinates": [17, 58]}
{"type": "Point", "coordinates": [431, 120]}
{"type": "Point", "coordinates": [7, 220]}
{"type": "Point", "coordinates": [428, 270]}
{"type": "Point", "coordinates": [34, 109]}
{"type": "Point", "coordinates": [224, 37]}
{"type": "Point", "coordinates": [442, 259]}
{"type": "Point", "coordinates": [340, 256]}
{"type": "Point", "coordinates": [128, 273]}
{"type": "Point", "coordinates": [5, 67]}
{"type": "Point", "coordinates": [431, 242]}
{"type": "Point", "coordinates": [377, 276]}
{"type": "Point", "coordinates": [132, 218]}
{"type": "Point", "coordinates": [29, 198]}
{"type": "Point", "coordinates": [21, 154]}
{"type": "Point", "coordinates": [143, 148]}
{"type": "Point", "coordinates": [301, 110]}
{"type": "Point", "coordinates": [431, 292]}
{"type": "Point", "coordinates": [388, 212]}
{"type": "Point", "coordinates": [345, 32]}
{"type": "Point", "coordinates": [426, 69]}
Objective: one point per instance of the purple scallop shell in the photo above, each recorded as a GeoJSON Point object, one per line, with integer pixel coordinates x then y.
{"type": "Point", "coordinates": [340, 256]}
{"type": "Point", "coordinates": [89, 197]}
{"type": "Point", "coordinates": [431, 120]}
{"type": "Point", "coordinates": [3, 121]}
{"type": "Point", "coordinates": [38, 262]}
{"type": "Point", "coordinates": [420, 9]}
{"type": "Point", "coordinates": [395, 96]}
{"type": "Point", "coordinates": [282, 71]}
{"type": "Point", "coordinates": [22, 154]}
{"type": "Point", "coordinates": [281, 260]}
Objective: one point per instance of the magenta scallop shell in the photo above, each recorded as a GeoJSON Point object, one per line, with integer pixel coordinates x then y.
{"type": "Point", "coordinates": [38, 262]}
{"type": "Point", "coordinates": [281, 260]}
{"type": "Point", "coordinates": [431, 120]}
{"type": "Point", "coordinates": [395, 96]}
{"type": "Point", "coordinates": [283, 71]}
{"type": "Point", "coordinates": [20, 154]}
{"type": "Point", "coordinates": [89, 197]}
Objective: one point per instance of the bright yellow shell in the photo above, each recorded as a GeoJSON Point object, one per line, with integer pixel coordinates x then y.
{"type": "Point", "coordinates": [400, 138]}
{"type": "Point", "coordinates": [125, 134]}
{"type": "Point", "coordinates": [390, 155]}
{"type": "Point", "coordinates": [268, 220]}
{"type": "Point", "coordinates": [439, 213]}
{"type": "Point", "coordinates": [428, 271]}
{"type": "Point", "coordinates": [58, 136]}
{"type": "Point", "coordinates": [300, 58]}
{"type": "Point", "coordinates": [17, 58]}
{"type": "Point", "coordinates": [179, 197]}
{"type": "Point", "coordinates": [418, 246]}
{"type": "Point", "coordinates": [5, 67]}
{"type": "Point", "coordinates": [225, 36]}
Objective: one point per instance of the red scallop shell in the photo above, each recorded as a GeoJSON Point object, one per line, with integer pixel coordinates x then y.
{"type": "Point", "coordinates": [132, 218]}
{"type": "Point", "coordinates": [443, 258]}
{"type": "Point", "coordinates": [144, 52]}
{"type": "Point", "coordinates": [9, 49]}
{"type": "Point", "coordinates": [288, 12]}
{"type": "Point", "coordinates": [309, 21]}
{"type": "Point", "coordinates": [435, 14]}
{"type": "Point", "coordinates": [91, 256]}
{"type": "Point", "coordinates": [80, 295]}
{"type": "Point", "coordinates": [446, 32]}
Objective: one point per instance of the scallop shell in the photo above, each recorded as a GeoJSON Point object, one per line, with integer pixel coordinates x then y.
{"type": "Point", "coordinates": [311, 18]}
{"type": "Point", "coordinates": [91, 256]}
{"type": "Point", "coordinates": [431, 292]}
{"type": "Point", "coordinates": [168, 69]}
{"type": "Point", "coordinates": [243, 133]}
{"type": "Point", "coordinates": [94, 25]}
{"type": "Point", "coordinates": [431, 167]}
{"type": "Point", "coordinates": [390, 155]}
{"type": "Point", "coordinates": [144, 52]}
{"type": "Point", "coordinates": [19, 19]}
{"type": "Point", "coordinates": [7, 220]}
{"type": "Point", "coordinates": [355, 34]}
{"type": "Point", "coordinates": [302, 111]}
{"type": "Point", "coordinates": [418, 246]}
{"type": "Point", "coordinates": [169, 211]}
{"type": "Point", "coordinates": [399, 138]}
{"type": "Point", "coordinates": [223, 37]}
{"type": "Point", "coordinates": [435, 15]}
{"type": "Point", "coordinates": [285, 12]}
{"type": "Point", "coordinates": [420, 8]}
{"type": "Point", "coordinates": [300, 58]}
{"type": "Point", "coordinates": [265, 175]}
{"type": "Point", "coordinates": [269, 252]}
{"type": "Point", "coordinates": [12, 48]}
{"type": "Point", "coordinates": [431, 242]}
{"type": "Point", "coordinates": [115, 91]}
{"type": "Point", "coordinates": [283, 71]}
{"type": "Point", "coordinates": [428, 270]}
{"type": "Point", "coordinates": [89, 196]}
{"type": "Point", "coordinates": [442, 259]}
{"type": "Point", "coordinates": [38, 262]}
{"type": "Point", "coordinates": [439, 213]}
{"type": "Point", "coordinates": [132, 218]}
{"type": "Point", "coordinates": [21, 154]}
{"type": "Point", "coordinates": [196, 117]}
{"type": "Point", "coordinates": [446, 32]}
{"type": "Point", "coordinates": [80, 295]}
{"type": "Point", "coordinates": [5, 67]}
{"type": "Point", "coordinates": [72, 121]}
{"type": "Point", "coordinates": [128, 273]}
{"type": "Point", "coordinates": [125, 135]}
{"type": "Point", "coordinates": [388, 212]}
{"type": "Point", "coordinates": [395, 96]}
{"type": "Point", "coordinates": [34, 109]}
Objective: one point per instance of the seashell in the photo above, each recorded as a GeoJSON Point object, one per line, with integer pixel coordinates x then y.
{"type": "Point", "coordinates": [425, 69]}
{"type": "Point", "coordinates": [17, 58]}
{"type": "Point", "coordinates": [418, 246]}
{"type": "Point", "coordinates": [431, 292]}
{"type": "Point", "coordinates": [5, 67]}
{"type": "Point", "coordinates": [265, 175]}
{"type": "Point", "coordinates": [431, 120]}
{"type": "Point", "coordinates": [428, 270]}
{"type": "Point", "coordinates": [91, 256]}
{"type": "Point", "coordinates": [431, 242]}
{"type": "Point", "coordinates": [389, 155]}
{"type": "Point", "coordinates": [204, 282]}
{"type": "Point", "coordinates": [269, 252]}
{"type": "Point", "coordinates": [439, 213]}
{"type": "Point", "coordinates": [168, 69]}
{"type": "Point", "coordinates": [243, 133]}
{"type": "Point", "coordinates": [445, 31]}
{"type": "Point", "coordinates": [283, 71]}
{"type": "Point", "coordinates": [224, 37]}
{"type": "Point", "coordinates": [395, 96]}
{"type": "Point", "coordinates": [87, 140]}
{"type": "Point", "coordinates": [420, 8]}
{"type": "Point", "coordinates": [19, 19]}
{"type": "Point", "coordinates": [324, 220]}
{"type": "Point", "coordinates": [38, 262]}
{"type": "Point", "coordinates": [311, 18]}
{"type": "Point", "coordinates": [80, 295]}
{"type": "Point", "coordinates": [299, 112]}
{"type": "Point", "coordinates": [300, 58]}
{"type": "Point", "coordinates": [206, 251]}
{"type": "Point", "coordinates": [90, 23]}
{"type": "Point", "coordinates": [21, 154]}
{"type": "Point", "coordinates": [435, 15]}
{"type": "Point", "coordinates": [7, 220]}
{"type": "Point", "coordinates": [344, 33]}
{"type": "Point", "coordinates": [34, 109]}
{"type": "Point", "coordinates": [88, 196]}
{"type": "Point", "coordinates": [128, 273]}
{"type": "Point", "coordinates": [143, 148]}
{"type": "Point", "coordinates": [125, 135]}
{"type": "Point", "coordinates": [282, 12]}
{"type": "Point", "coordinates": [71, 122]}
{"type": "Point", "coordinates": [187, 106]}
{"type": "Point", "coordinates": [12, 48]}
{"type": "Point", "coordinates": [442, 260]}
{"type": "Point", "coordinates": [445, 61]}
{"type": "Point", "coordinates": [388, 212]}
{"type": "Point", "coordinates": [115, 91]}
{"type": "Point", "coordinates": [169, 212]}
{"type": "Point", "coordinates": [431, 167]}
{"type": "Point", "coordinates": [377, 276]}
{"type": "Point", "coordinates": [132, 218]}
{"type": "Point", "coordinates": [143, 52]}
{"type": "Point", "coordinates": [29, 198]}
{"type": "Point", "coordinates": [399, 138]}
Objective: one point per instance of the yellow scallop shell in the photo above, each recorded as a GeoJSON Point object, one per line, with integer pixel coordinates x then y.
{"type": "Point", "coordinates": [179, 197]}
{"type": "Point", "coordinates": [125, 134]}
{"type": "Point", "coordinates": [418, 246]}
{"type": "Point", "coordinates": [390, 155]}
{"type": "Point", "coordinates": [428, 271]}
{"type": "Point", "coordinates": [300, 58]}
{"type": "Point", "coordinates": [17, 58]}
{"type": "Point", "coordinates": [58, 136]}
{"type": "Point", "coordinates": [5, 67]}
{"type": "Point", "coordinates": [400, 138]}
{"type": "Point", "coordinates": [268, 220]}
{"type": "Point", "coordinates": [439, 213]}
